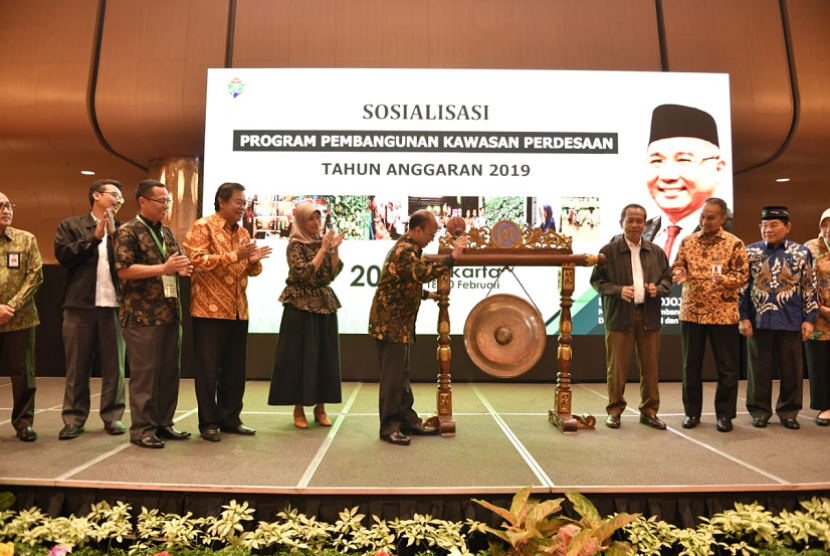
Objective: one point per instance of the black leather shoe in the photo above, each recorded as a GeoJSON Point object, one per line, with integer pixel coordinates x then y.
{"type": "Point", "coordinates": [691, 422]}
{"type": "Point", "coordinates": [822, 422]}
{"type": "Point", "coordinates": [653, 422]}
{"type": "Point", "coordinates": [420, 430]}
{"type": "Point", "coordinates": [115, 428]}
{"type": "Point", "coordinates": [791, 424]}
{"type": "Point", "coordinates": [27, 434]}
{"type": "Point", "coordinates": [760, 422]}
{"type": "Point", "coordinates": [148, 442]}
{"type": "Point", "coordinates": [212, 434]}
{"type": "Point", "coordinates": [724, 424]}
{"type": "Point", "coordinates": [241, 429]}
{"type": "Point", "coordinates": [68, 432]}
{"type": "Point", "coordinates": [612, 421]}
{"type": "Point", "coordinates": [395, 438]}
{"type": "Point", "coordinates": [172, 433]}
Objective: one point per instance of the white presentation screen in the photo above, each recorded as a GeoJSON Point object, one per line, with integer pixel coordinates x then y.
{"type": "Point", "coordinates": [547, 148]}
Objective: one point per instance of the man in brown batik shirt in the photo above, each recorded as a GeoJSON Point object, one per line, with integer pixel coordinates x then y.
{"type": "Point", "coordinates": [149, 261]}
{"type": "Point", "coordinates": [712, 265]}
{"type": "Point", "coordinates": [392, 323]}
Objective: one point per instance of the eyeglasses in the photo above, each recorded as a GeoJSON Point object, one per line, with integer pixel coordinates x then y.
{"type": "Point", "coordinates": [240, 203]}
{"type": "Point", "coordinates": [115, 194]}
{"type": "Point", "coordinates": [6, 206]}
{"type": "Point", "coordinates": [684, 162]}
{"type": "Point", "coordinates": [167, 201]}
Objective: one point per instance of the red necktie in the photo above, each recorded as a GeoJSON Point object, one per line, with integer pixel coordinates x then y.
{"type": "Point", "coordinates": [672, 231]}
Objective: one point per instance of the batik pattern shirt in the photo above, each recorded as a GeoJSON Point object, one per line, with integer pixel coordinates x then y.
{"type": "Point", "coordinates": [21, 274]}
{"type": "Point", "coordinates": [705, 301]}
{"type": "Point", "coordinates": [821, 263]}
{"type": "Point", "coordinates": [781, 291]}
{"type": "Point", "coordinates": [142, 301]}
{"type": "Point", "coordinates": [399, 293]}
{"type": "Point", "coordinates": [219, 278]}
{"type": "Point", "coordinates": [305, 288]}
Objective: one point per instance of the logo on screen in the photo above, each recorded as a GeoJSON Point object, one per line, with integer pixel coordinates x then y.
{"type": "Point", "coordinates": [235, 87]}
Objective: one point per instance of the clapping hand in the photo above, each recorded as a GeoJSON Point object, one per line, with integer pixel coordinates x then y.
{"type": "Point", "coordinates": [106, 224]}
{"type": "Point", "coordinates": [679, 276]}
{"type": "Point", "coordinates": [259, 254]}
{"type": "Point", "coordinates": [245, 250]}
{"type": "Point", "coordinates": [178, 264]}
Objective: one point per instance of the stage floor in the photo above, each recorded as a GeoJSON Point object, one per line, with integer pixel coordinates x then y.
{"type": "Point", "coordinates": [503, 442]}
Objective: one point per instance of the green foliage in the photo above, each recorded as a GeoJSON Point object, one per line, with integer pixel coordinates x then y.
{"type": "Point", "coordinates": [7, 500]}
{"type": "Point", "coordinates": [532, 527]}
{"type": "Point", "coordinates": [350, 214]}
{"type": "Point", "coordinates": [747, 530]}
{"type": "Point", "coordinates": [505, 208]}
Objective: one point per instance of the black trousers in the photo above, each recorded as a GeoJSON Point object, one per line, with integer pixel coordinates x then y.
{"type": "Point", "coordinates": [396, 399]}
{"type": "Point", "coordinates": [90, 335]}
{"type": "Point", "coordinates": [17, 356]}
{"type": "Point", "coordinates": [767, 348]}
{"type": "Point", "coordinates": [725, 341]}
{"type": "Point", "coordinates": [818, 365]}
{"type": "Point", "coordinates": [221, 350]}
{"type": "Point", "coordinates": [153, 353]}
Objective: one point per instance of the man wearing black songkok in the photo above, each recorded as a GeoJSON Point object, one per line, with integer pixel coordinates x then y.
{"type": "Point", "coordinates": [684, 167]}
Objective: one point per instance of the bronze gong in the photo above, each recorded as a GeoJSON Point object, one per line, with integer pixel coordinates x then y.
{"type": "Point", "coordinates": [504, 335]}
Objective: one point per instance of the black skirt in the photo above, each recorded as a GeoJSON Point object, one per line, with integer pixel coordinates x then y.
{"type": "Point", "coordinates": [307, 362]}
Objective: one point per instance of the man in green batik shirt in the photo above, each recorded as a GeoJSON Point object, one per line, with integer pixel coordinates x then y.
{"type": "Point", "coordinates": [20, 278]}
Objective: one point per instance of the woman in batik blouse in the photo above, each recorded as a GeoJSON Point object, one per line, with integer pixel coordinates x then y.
{"type": "Point", "coordinates": [818, 347]}
{"type": "Point", "coordinates": [307, 362]}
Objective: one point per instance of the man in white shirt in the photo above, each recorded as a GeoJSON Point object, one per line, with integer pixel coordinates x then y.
{"type": "Point", "coordinates": [684, 168]}
{"type": "Point", "coordinates": [631, 283]}
{"type": "Point", "coordinates": [91, 331]}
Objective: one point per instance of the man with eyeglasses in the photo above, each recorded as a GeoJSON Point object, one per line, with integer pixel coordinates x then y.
{"type": "Point", "coordinates": [392, 323]}
{"type": "Point", "coordinates": [149, 261]}
{"type": "Point", "coordinates": [778, 306]}
{"type": "Point", "coordinates": [20, 277]}
{"type": "Point", "coordinates": [223, 257]}
{"type": "Point", "coordinates": [683, 169]}
{"type": "Point", "coordinates": [91, 331]}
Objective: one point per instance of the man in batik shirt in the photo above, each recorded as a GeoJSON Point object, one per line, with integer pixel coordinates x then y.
{"type": "Point", "coordinates": [21, 275]}
{"type": "Point", "coordinates": [149, 261]}
{"type": "Point", "coordinates": [223, 257]}
{"type": "Point", "coordinates": [711, 265]}
{"type": "Point", "coordinates": [778, 308]}
{"type": "Point", "coordinates": [392, 323]}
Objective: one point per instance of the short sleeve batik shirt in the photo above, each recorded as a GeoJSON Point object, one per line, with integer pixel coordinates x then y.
{"type": "Point", "coordinates": [142, 301]}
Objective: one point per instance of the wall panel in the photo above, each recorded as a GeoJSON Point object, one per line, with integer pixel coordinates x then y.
{"type": "Point", "coordinates": [745, 39]}
{"type": "Point", "coordinates": [153, 75]}
{"type": "Point", "coordinates": [594, 34]}
{"type": "Point", "coordinates": [46, 132]}
{"type": "Point", "coordinates": [805, 160]}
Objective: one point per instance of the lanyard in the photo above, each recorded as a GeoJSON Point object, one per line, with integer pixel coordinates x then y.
{"type": "Point", "coordinates": [160, 244]}
{"type": "Point", "coordinates": [827, 245]}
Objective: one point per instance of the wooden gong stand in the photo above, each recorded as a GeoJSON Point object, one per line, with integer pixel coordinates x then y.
{"type": "Point", "coordinates": [513, 246]}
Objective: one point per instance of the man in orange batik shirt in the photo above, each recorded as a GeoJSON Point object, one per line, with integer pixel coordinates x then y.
{"type": "Point", "coordinates": [223, 257]}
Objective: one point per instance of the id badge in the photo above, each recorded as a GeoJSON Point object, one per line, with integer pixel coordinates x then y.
{"type": "Point", "coordinates": [13, 260]}
{"type": "Point", "coordinates": [169, 283]}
